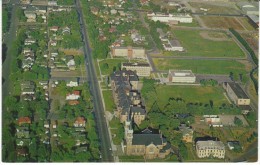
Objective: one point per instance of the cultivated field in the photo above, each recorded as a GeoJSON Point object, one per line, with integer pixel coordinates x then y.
{"type": "Point", "coordinates": [196, 44]}
{"type": "Point", "coordinates": [215, 9]}
{"type": "Point", "coordinates": [227, 22]}
{"type": "Point", "coordinates": [201, 66]}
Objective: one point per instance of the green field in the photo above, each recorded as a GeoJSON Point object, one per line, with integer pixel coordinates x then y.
{"type": "Point", "coordinates": [202, 66]}
{"type": "Point", "coordinates": [196, 45]}
{"type": "Point", "coordinates": [109, 102]}
{"type": "Point", "coordinates": [190, 94]}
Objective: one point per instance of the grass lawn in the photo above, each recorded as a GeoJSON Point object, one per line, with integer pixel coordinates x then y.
{"type": "Point", "coordinates": [193, 94]}
{"type": "Point", "coordinates": [109, 102]}
{"type": "Point", "coordinates": [196, 45]}
{"type": "Point", "coordinates": [201, 66]}
{"type": "Point", "coordinates": [131, 159]}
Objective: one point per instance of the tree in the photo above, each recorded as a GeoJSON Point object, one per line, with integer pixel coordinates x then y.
{"type": "Point", "coordinates": [183, 150]}
{"type": "Point", "coordinates": [237, 121]}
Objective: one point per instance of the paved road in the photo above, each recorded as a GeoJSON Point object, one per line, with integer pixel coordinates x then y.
{"type": "Point", "coordinates": [94, 89]}
{"type": "Point", "coordinates": [9, 39]}
{"type": "Point", "coordinates": [197, 58]}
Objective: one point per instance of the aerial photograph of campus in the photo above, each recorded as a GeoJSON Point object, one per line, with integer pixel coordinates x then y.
{"type": "Point", "coordinates": [113, 81]}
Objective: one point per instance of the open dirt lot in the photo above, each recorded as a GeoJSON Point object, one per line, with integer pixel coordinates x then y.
{"type": "Point", "coordinates": [214, 8]}
{"type": "Point", "coordinates": [226, 22]}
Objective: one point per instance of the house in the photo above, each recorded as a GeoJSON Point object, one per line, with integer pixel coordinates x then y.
{"type": "Point", "coordinates": [210, 148]}
{"type": "Point", "coordinates": [25, 1]}
{"type": "Point", "coordinates": [148, 143]}
{"type": "Point", "coordinates": [233, 145]}
{"type": "Point", "coordinates": [46, 124]}
{"type": "Point", "coordinates": [73, 96]}
{"type": "Point", "coordinates": [24, 120]}
{"type": "Point", "coordinates": [22, 151]}
{"type": "Point", "coordinates": [28, 91]}
{"type": "Point", "coordinates": [54, 124]}
{"type": "Point", "coordinates": [213, 120]}
{"type": "Point", "coordinates": [144, 2]}
{"type": "Point", "coordinates": [26, 50]}
{"type": "Point", "coordinates": [71, 64]}
{"type": "Point", "coordinates": [43, 82]}
{"type": "Point", "coordinates": [66, 30]}
{"type": "Point", "coordinates": [52, 3]}
{"type": "Point", "coordinates": [54, 28]}
{"type": "Point", "coordinates": [29, 41]}
{"type": "Point", "coordinates": [141, 69]}
{"type": "Point", "coordinates": [79, 122]}
{"type": "Point", "coordinates": [162, 35]}
{"type": "Point", "coordinates": [236, 93]}
{"type": "Point", "coordinates": [73, 102]}
{"type": "Point", "coordinates": [23, 142]}
{"type": "Point", "coordinates": [187, 133]}
{"type": "Point", "coordinates": [23, 134]}
{"type": "Point", "coordinates": [129, 52]}
{"type": "Point", "coordinates": [167, 18]}
{"type": "Point", "coordinates": [94, 10]}
{"type": "Point", "coordinates": [81, 149]}
{"type": "Point", "coordinates": [28, 97]}
{"type": "Point", "coordinates": [73, 82]}
{"type": "Point", "coordinates": [30, 14]}
{"type": "Point", "coordinates": [27, 84]}
{"type": "Point", "coordinates": [113, 11]}
{"type": "Point", "coordinates": [181, 76]}
{"type": "Point", "coordinates": [53, 43]}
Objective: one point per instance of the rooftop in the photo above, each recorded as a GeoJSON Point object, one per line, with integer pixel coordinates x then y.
{"type": "Point", "coordinates": [181, 73]}
{"type": "Point", "coordinates": [210, 144]}
{"type": "Point", "coordinates": [175, 43]}
{"type": "Point", "coordinates": [135, 64]}
{"type": "Point", "coordinates": [238, 90]}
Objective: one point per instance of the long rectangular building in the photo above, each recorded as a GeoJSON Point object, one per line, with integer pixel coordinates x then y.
{"type": "Point", "coordinates": [129, 52]}
{"type": "Point", "coordinates": [170, 17]}
{"type": "Point", "coordinates": [209, 148]}
{"type": "Point", "coordinates": [181, 76]}
{"type": "Point", "coordinates": [141, 69]}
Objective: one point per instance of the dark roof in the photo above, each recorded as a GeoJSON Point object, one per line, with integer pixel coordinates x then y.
{"type": "Point", "coordinates": [245, 107]}
{"type": "Point", "coordinates": [138, 109]}
{"type": "Point", "coordinates": [146, 137]}
{"type": "Point", "coordinates": [238, 90]}
{"type": "Point", "coordinates": [124, 75]}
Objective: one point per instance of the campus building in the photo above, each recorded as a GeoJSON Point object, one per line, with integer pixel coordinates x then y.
{"type": "Point", "coordinates": [129, 52]}
{"type": "Point", "coordinates": [181, 76]}
{"type": "Point", "coordinates": [141, 69]}
{"type": "Point", "coordinates": [210, 148]}
{"type": "Point", "coordinates": [148, 143]}
{"type": "Point", "coordinates": [167, 18]}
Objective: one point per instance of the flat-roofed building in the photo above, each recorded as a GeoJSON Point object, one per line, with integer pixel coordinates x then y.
{"type": "Point", "coordinates": [236, 93]}
{"type": "Point", "coordinates": [169, 17]}
{"type": "Point", "coordinates": [129, 52]}
{"type": "Point", "coordinates": [210, 148]}
{"type": "Point", "coordinates": [181, 76]}
{"type": "Point", "coordinates": [141, 69]}
{"type": "Point", "coordinates": [173, 45]}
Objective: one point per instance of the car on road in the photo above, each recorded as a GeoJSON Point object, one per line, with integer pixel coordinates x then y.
{"type": "Point", "coordinates": [110, 149]}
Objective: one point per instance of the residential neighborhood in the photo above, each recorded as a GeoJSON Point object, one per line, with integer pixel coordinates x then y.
{"type": "Point", "coordinates": [130, 81]}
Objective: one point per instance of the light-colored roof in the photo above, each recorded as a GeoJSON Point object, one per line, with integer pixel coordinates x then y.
{"type": "Point", "coordinates": [181, 73]}
{"type": "Point", "coordinates": [210, 144]}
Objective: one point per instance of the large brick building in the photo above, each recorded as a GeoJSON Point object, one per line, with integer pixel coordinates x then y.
{"type": "Point", "coordinates": [141, 69]}
{"type": "Point", "coordinates": [126, 96]}
{"type": "Point", "coordinates": [148, 143]}
{"type": "Point", "coordinates": [181, 76]}
{"type": "Point", "coordinates": [129, 52]}
{"type": "Point", "coordinates": [210, 148]}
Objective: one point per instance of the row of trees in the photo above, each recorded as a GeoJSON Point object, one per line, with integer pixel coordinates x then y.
{"type": "Point", "coordinates": [252, 54]}
{"type": "Point", "coordinates": [5, 19]}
